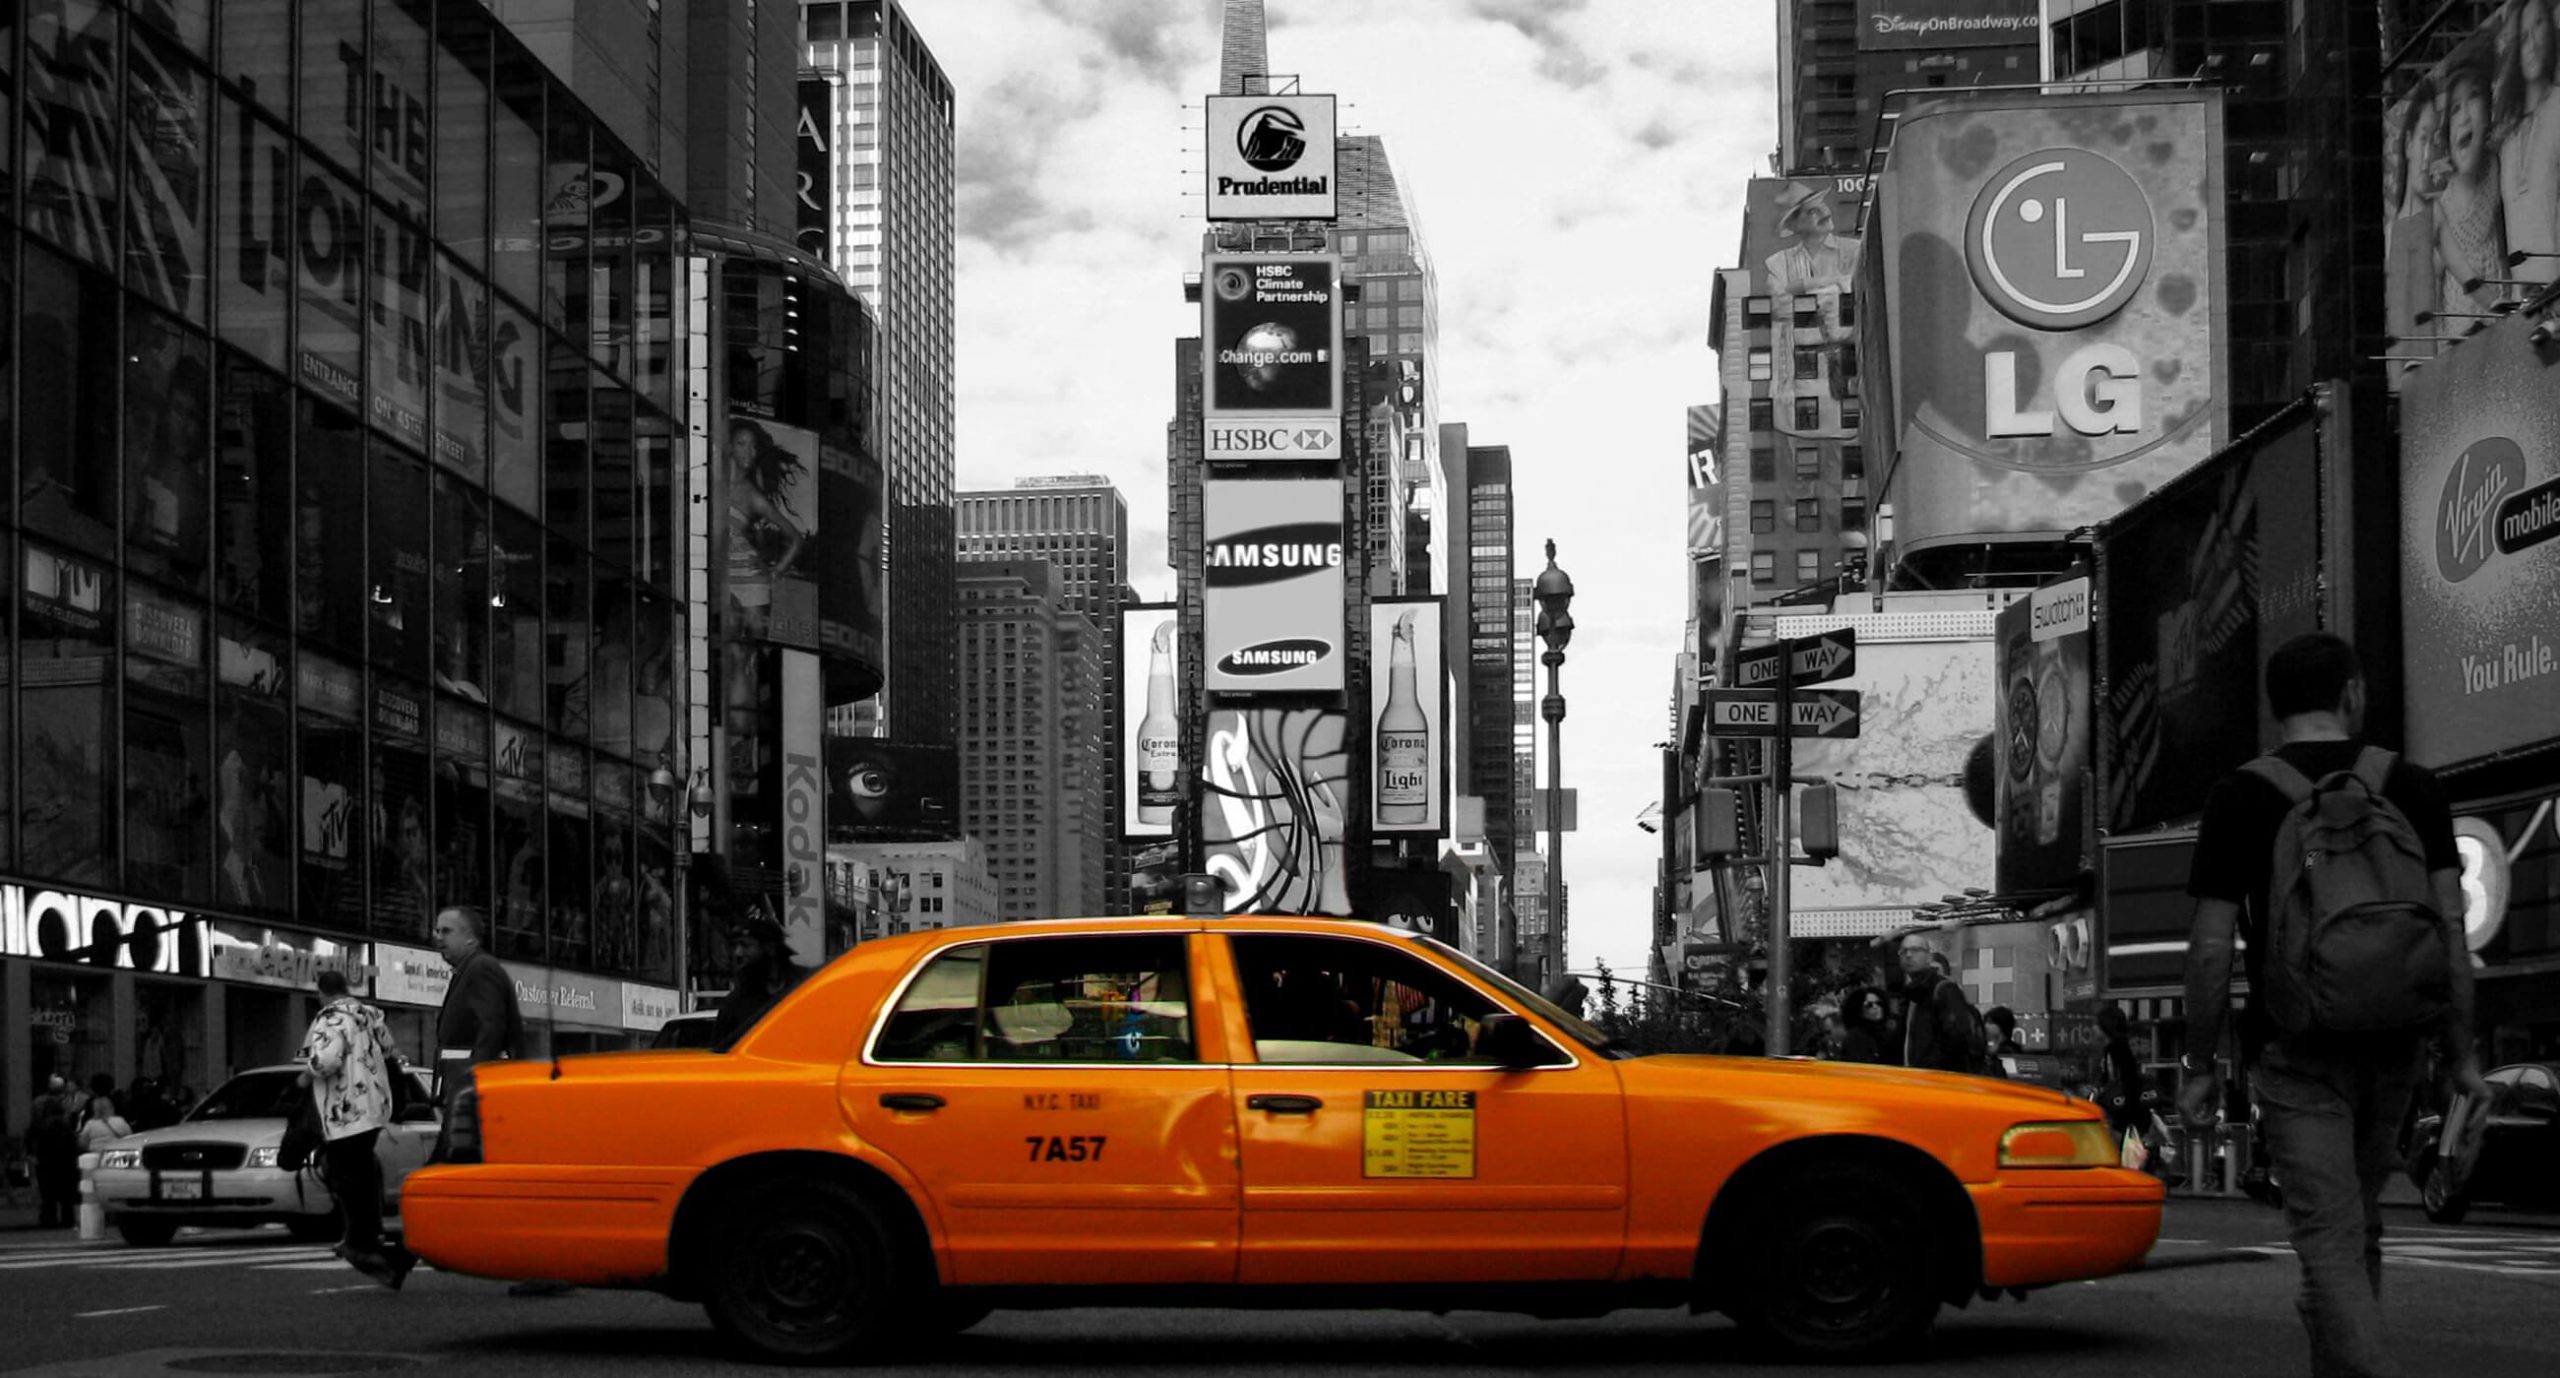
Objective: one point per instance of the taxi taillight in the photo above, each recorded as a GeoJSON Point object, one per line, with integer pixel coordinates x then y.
{"type": "Point", "coordinates": [462, 1126]}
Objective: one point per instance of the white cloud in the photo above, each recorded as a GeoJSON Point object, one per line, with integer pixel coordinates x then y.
{"type": "Point", "coordinates": [1579, 172]}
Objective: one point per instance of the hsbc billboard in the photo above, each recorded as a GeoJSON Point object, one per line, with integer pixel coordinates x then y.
{"type": "Point", "coordinates": [2054, 328]}
{"type": "Point", "coordinates": [1271, 356]}
{"type": "Point", "coordinates": [1272, 618]}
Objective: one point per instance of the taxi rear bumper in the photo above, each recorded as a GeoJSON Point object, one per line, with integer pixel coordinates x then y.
{"type": "Point", "coordinates": [597, 1227]}
{"type": "Point", "coordinates": [2065, 1225]}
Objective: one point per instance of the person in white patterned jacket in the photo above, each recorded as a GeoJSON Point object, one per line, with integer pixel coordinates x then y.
{"type": "Point", "coordinates": [348, 1060]}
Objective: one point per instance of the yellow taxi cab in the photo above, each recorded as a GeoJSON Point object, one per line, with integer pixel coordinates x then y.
{"type": "Point", "coordinates": [1256, 1112]}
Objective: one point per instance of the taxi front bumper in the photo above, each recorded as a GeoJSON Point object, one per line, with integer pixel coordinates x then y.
{"type": "Point", "coordinates": [2060, 1225]}
{"type": "Point", "coordinates": [597, 1227]}
{"type": "Point", "coordinates": [246, 1195]}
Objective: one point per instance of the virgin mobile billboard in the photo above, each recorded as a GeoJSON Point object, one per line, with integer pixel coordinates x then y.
{"type": "Point", "coordinates": [2480, 547]}
{"type": "Point", "coordinates": [2051, 269]}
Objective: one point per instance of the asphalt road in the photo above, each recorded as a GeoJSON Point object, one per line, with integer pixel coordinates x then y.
{"type": "Point", "coordinates": [2482, 1301]}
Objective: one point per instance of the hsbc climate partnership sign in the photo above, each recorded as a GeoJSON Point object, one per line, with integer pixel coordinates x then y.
{"type": "Point", "coordinates": [1271, 356]}
{"type": "Point", "coordinates": [1271, 158]}
{"type": "Point", "coordinates": [1272, 576]}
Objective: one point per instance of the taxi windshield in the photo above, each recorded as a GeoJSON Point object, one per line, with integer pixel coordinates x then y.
{"type": "Point", "coordinates": [252, 1096]}
{"type": "Point", "coordinates": [1582, 1030]}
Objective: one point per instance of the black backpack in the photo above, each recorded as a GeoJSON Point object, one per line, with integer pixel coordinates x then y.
{"type": "Point", "coordinates": [2354, 941]}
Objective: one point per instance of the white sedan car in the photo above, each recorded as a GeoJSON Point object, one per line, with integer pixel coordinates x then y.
{"type": "Point", "coordinates": [218, 1166]}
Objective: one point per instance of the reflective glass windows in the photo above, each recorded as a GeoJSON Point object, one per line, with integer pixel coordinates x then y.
{"type": "Point", "coordinates": [461, 806]}
{"type": "Point", "coordinates": [334, 82]}
{"type": "Point", "coordinates": [254, 234]}
{"type": "Point", "coordinates": [459, 339]}
{"type": "Point", "coordinates": [329, 588]}
{"type": "Point", "coordinates": [168, 403]}
{"type": "Point", "coordinates": [516, 385]}
{"type": "Point", "coordinates": [611, 891]}
{"type": "Point", "coordinates": [395, 100]}
{"type": "Point", "coordinates": [253, 761]}
{"type": "Point", "coordinates": [67, 627]}
{"type": "Point", "coordinates": [518, 183]}
{"type": "Point", "coordinates": [397, 802]}
{"type": "Point", "coordinates": [568, 433]}
{"type": "Point", "coordinates": [68, 477]}
{"type": "Point", "coordinates": [569, 689]}
{"type": "Point", "coordinates": [74, 126]}
{"type": "Point", "coordinates": [168, 744]}
{"type": "Point", "coordinates": [569, 856]}
{"type": "Point", "coordinates": [253, 493]}
{"type": "Point", "coordinates": [516, 825]}
{"type": "Point", "coordinates": [569, 196]}
{"type": "Point", "coordinates": [396, 328]}
{"type": "Point", "coordinates": [257, 52]}
{"type": "Point", "coordinates": [329, 225]}
{"type": "Point", "coordinates": [168, 162]}
{"type": "Point", "coordinates": [461, 165]}
{"type": "Point", "coordinates": [461, 569]}
{"type": "Point", "coordinates": [330, 722]}
{"type": "Point", "coordinates": [397, 585]}
{"type": "Point", "coordinates": [515, 616]}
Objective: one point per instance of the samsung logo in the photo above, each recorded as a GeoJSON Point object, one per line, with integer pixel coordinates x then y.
{"type": "Point", "coordinates": [1273, 553]}
{"type": "Point", "coordinates": [1275, 657]}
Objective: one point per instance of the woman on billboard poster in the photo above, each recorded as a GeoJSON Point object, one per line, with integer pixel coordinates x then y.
{"type": "Point", "coordinates": [764, 541]}
{"type": "Point", "coordinates": [2471, 238]}
{"type": "Point", "coordinates": [2529, 142]}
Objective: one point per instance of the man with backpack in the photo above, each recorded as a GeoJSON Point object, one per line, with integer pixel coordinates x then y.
{"type": "Point", "coordinates": [2334, 862]}
{"type": "Point", "coordinates": [1939, 1029]}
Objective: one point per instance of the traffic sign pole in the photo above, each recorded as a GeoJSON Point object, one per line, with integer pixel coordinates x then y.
{"type": "Point", "coordinates": [1781, 846]}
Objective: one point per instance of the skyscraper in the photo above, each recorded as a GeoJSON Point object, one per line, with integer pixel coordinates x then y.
{"type": "Point", "coordinates": [1481, 655]}
{"type": "Point", "coordinates": [1079, 525]}
{"type": "Point", "coordinates": [1244, 52]}
{"type": "Point", "coordinates": [1835, 69]}
{"type": "Point", "coordinates": [1033, 781]}
{"type": "Point", "coordinates": [1397, 311]}
{"type": "Point", "coordinates": [894, 223]}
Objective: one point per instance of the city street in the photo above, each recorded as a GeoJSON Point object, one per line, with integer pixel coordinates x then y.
{"type": "Point", "coordinates": [2484, 1300]}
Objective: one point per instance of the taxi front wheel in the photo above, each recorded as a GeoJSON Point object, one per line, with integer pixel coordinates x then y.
{"type": "Point", "coordinates": [805, 1274]}
{"type": "Point", "coordinates": [1842, 1267]}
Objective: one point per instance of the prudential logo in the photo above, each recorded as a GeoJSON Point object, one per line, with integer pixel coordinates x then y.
{"type": "Point", "coordinates": [2060, 239]}
{"type": "Point", "coordinates": [1272, 139]}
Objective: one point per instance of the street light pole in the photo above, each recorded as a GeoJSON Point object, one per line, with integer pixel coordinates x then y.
{"type": "Point", "coordinates": [1554, 593]}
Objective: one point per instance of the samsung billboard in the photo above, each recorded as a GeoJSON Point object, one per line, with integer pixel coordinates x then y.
{"type": "Point", "coordinates": [1272, 580]}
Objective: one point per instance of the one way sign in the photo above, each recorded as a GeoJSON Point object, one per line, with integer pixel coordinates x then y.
{"type": "Point", "coordinates": [1815, 659]}
{"type": "Point", "coordinates": [1754, 712]}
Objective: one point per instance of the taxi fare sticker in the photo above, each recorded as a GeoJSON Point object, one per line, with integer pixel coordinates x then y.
{"type": "Point", "coordinates": [1418, 1134]}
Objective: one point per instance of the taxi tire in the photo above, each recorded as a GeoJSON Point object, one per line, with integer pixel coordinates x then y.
{"type": "Point", "coordinates": [2443, 1205]}
{"type": "Point", "coordinates": [805, 1273]}
{"type": "Point", "coordinates": [316, 1229]}
{"type": "Point", "coordinates": [147, 1234]}
{"type": "Point", "coordinates": [1841, 1271]}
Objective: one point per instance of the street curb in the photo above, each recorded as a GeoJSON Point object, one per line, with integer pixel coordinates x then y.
{"type": "Point", "coordinates": [2202, 1259]}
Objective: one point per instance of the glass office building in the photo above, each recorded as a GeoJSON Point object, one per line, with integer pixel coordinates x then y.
{"type": "Point", "coordinates": [339, 359]}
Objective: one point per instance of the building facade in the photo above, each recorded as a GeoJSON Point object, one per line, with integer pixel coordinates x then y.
{"type": "Point", "coordinates": [892, 236]}
{"type": "Point", "coordinates": [1034, 777]}
{"type": "Point", "coordinates": [1838, 65]}
{"type": "Point", "coordinates": [346, 558]}
{"type": "Point", "coordinates": [1080, 525]}
{"type": "Point", "coordinates": [928, 885]}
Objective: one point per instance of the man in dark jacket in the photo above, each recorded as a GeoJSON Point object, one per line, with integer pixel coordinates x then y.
{"type": "Point", "coordinates": [480, 1021]}
{"type": "Point", "coordinates": [765, 973]}
{"type": "Point", "coordinates": [1939, 1031]}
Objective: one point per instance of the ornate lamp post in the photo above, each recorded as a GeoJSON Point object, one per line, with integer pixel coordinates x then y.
{"type": "Point", "coordinates": [1554, 592]}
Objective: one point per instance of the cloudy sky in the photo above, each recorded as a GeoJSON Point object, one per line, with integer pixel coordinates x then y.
{"type": "Point", "coordinates": [1578, 166]}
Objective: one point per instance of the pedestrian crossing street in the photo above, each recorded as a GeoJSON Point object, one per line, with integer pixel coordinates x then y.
{"type": "Point", "coordinates": [2504, 1253]}
{"type": "Point", "coordinates": [120, 1258]}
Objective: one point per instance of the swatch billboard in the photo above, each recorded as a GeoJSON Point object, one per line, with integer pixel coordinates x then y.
{"type": "Point", "coordinates": [2051, 270]}
{"type": "Point", "coordinates": [2480, 547]}
{"type": "Point", "coordinates": [1272, 586]}
{"type": "Point", "coordinates": [1271, 355]}
{"type": "Point", "coordinates": [2041, 748]}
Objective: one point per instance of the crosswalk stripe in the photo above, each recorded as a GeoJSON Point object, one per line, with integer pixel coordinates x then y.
{"type": "Point", "coordinates": [313, 1267]}
{"type": "Point", "coordinates": [223, 1261]}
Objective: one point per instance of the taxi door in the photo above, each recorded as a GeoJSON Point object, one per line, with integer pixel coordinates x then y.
{"type": "Point", "coordinates": [1377, 1150]}
{"type": "Point", "coordinates": [1051, 1094]}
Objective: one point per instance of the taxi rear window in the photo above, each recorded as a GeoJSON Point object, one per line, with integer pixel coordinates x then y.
{"type": "Point", "coordinates": [1100, 999]}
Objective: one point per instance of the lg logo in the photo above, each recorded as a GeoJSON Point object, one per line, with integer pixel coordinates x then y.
{"type": "Point", "coordinates": [2060, 239]}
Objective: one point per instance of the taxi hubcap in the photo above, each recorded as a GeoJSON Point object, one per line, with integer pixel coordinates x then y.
{"type": "Point", "coordinates": [1841, 1269]}
{"type": "Point", "coordinates": [803, 1271]}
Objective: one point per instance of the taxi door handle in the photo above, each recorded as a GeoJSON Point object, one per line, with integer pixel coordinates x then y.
{"type": "Point", "coordinates": [911, 1100]}
{"type": "Point", "coordinates": [1284, 1105]}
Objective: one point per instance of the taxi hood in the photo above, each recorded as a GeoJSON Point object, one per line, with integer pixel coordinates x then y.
{"type": "Point", "coordinates": [1808, 1078]}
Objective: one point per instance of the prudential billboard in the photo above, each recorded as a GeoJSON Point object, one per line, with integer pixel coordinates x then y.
{"type": "Point", "coordinates": [2055, 331]}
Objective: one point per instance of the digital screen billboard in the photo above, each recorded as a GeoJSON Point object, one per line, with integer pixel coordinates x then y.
{"type": "Point", "coordinates": [1271, 356]}
{"type": "Point", "coordinates": [770, 471]}
{"type": "Point", "coordinates": [1278, 784]}
{"type": "Point", "coordinates": [1272, 586]}
{"type": "Point", "coordinates": [877, 788]}
{"type": "Point", "coordinates": [1151, 711]}
{"type": "Point", "coordinates": [2052, 265]}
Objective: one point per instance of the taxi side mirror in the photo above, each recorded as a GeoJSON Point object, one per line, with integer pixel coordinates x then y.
{"type": "Point", "coordinates": [1512, 1042]}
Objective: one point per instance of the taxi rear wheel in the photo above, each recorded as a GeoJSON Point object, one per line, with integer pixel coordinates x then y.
{"type": "Point", "coordinates": [1842, 1269]}
{"type": "Point", "coordinates": [805, 1274]}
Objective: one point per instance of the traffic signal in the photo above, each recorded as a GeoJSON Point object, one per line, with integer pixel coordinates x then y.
{"type": "Point", "coordinates": [1719, 823]}
{"type": "Point", "coordinates": [1204, 896]}
{"type": "Point", "coordinates": [1818, 821]}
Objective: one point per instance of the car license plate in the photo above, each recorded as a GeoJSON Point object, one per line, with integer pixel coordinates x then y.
{"type": "Point", "coordinates": [182, 1191]}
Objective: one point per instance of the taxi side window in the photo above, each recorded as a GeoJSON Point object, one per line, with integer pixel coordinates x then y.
{"type": "Point", "coordinates": [1341, 1000]}
{"type": "Point", "coordinates": [1060, 999]}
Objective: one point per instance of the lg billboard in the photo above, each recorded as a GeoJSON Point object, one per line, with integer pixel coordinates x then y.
{"type": "Point", "coordinates": [1272, 582]}
{"type": "Point", "coordinates": [1271, 356]}
{"type": "Point", "coordinates": [2054, 341]}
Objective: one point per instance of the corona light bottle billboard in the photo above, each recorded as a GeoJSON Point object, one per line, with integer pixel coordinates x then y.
{"type": "Point", "coordinates": [1404, 738]}
{"type": "Point", "coordinates": [1158, 758]}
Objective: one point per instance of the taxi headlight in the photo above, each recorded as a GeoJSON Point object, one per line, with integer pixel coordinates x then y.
{"type": "Point", "coordinates": [261, 1157]}
{"type": "Point", "coordinates": [2066, 1143]}
{"type": "Point", "coordinates": [120, 1157]}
